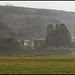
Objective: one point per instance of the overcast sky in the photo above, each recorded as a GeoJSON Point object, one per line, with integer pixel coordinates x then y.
{"type": "Point", "coordinates": [58, 5]}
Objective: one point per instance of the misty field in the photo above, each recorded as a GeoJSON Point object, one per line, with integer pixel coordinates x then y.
{"type": "Point", "coordinates": [38, 65]}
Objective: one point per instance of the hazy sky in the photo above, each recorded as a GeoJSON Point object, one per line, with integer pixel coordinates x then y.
{"type": "Point", "coordinates": [59, 5]}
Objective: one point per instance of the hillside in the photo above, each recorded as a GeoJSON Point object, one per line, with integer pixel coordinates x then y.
{"type": "Point", "coordinates": [32, 23]}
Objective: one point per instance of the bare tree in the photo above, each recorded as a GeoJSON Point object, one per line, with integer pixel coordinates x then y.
{"type": "Point", "coordinates": [5, 31]}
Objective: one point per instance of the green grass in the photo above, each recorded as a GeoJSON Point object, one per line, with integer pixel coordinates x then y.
{"type": "Point", "coordinates": [39, 62]}
{"type": "Point", "coordinates": [72, 54]}
{"type": "Point", "coordinates": [9, 52]}
{"type": "Point", "coordinates": [38, 65]}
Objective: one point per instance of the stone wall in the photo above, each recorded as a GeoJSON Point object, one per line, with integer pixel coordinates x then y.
{"type": "Point", "coordinates": [8, 43]}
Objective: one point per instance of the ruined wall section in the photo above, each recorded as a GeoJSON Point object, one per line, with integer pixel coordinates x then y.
{"type": "Point", "coordinates": [58, 37]}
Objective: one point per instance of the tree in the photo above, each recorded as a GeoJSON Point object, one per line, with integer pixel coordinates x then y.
{"type": "Point", "coordinates": [5, 31]}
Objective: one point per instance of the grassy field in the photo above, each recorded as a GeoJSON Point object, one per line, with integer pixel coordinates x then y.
{"type": "Point", "coordinates": [37, 65]}
{"type": "Point", "coordinates": [36, 62]}
{"type": "Point", "coordinates": [9, 52]}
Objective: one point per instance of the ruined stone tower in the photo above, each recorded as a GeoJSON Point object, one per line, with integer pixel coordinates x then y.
{"type": "Point", "coordinates": [58, 37]}
{"type": "Point", "coordinates": [49, 37]}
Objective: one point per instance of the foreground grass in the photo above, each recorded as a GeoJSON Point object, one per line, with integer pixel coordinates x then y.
{"type": "Point", "coordinates": [38, 65]}
{"type": "Point", "coordinates": [9, 52]}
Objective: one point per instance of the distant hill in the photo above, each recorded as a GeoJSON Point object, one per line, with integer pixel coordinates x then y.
{"type": "Point", "coordinates": [32, 23]}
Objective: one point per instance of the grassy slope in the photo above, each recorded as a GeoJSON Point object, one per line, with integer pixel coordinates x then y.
{"type": "Point", "coordinates": [37, 65]}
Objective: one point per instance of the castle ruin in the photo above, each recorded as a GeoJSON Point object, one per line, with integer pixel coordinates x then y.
{"type": "Point", "coordinates": [58, 37]}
